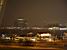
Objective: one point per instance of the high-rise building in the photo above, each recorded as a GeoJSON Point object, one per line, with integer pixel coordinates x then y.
{"type": "Point", "coordinates": [2, 9]}
{"type": "Point", "coordinates": [20, 22]}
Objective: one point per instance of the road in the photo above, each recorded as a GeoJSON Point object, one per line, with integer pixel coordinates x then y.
{"type": "Point", "coordinates": [41, 45]}
{"type": "Point", "coordinates": [4, 47]}
{"type": "Point", "coordinates": [65, 44]}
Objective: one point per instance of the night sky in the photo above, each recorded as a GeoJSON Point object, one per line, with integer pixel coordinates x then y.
{"type": "Point", "coordinates": [40, 12]}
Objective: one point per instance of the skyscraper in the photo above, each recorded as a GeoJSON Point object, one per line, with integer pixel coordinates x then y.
{"type": "Point", "coordinates": [2, 9]}
{"type": "Point", "coordinates": [20, 22]}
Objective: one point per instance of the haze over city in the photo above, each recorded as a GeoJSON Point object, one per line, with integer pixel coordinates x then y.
{"type": "Point", "coordinates": [40, 12]}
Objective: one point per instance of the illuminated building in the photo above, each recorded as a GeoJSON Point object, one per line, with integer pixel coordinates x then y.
{"type": "Point", "coordinates": [2, 10]}
{"type": "Point", "coordinates": [20, 22]}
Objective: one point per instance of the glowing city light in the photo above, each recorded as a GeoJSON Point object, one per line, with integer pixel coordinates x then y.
{"type": "Point", "coordinates": [46, 34]}
{"type": "Point", "coordinates": [50, 28]}
{"type": "Point", "coordinates": [20, 19]}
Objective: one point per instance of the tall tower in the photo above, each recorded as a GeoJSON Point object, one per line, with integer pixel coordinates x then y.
{"type": "Point", "coordinates": [2, 9]}
{"type": "Point", "coordinates": [20, 22]}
